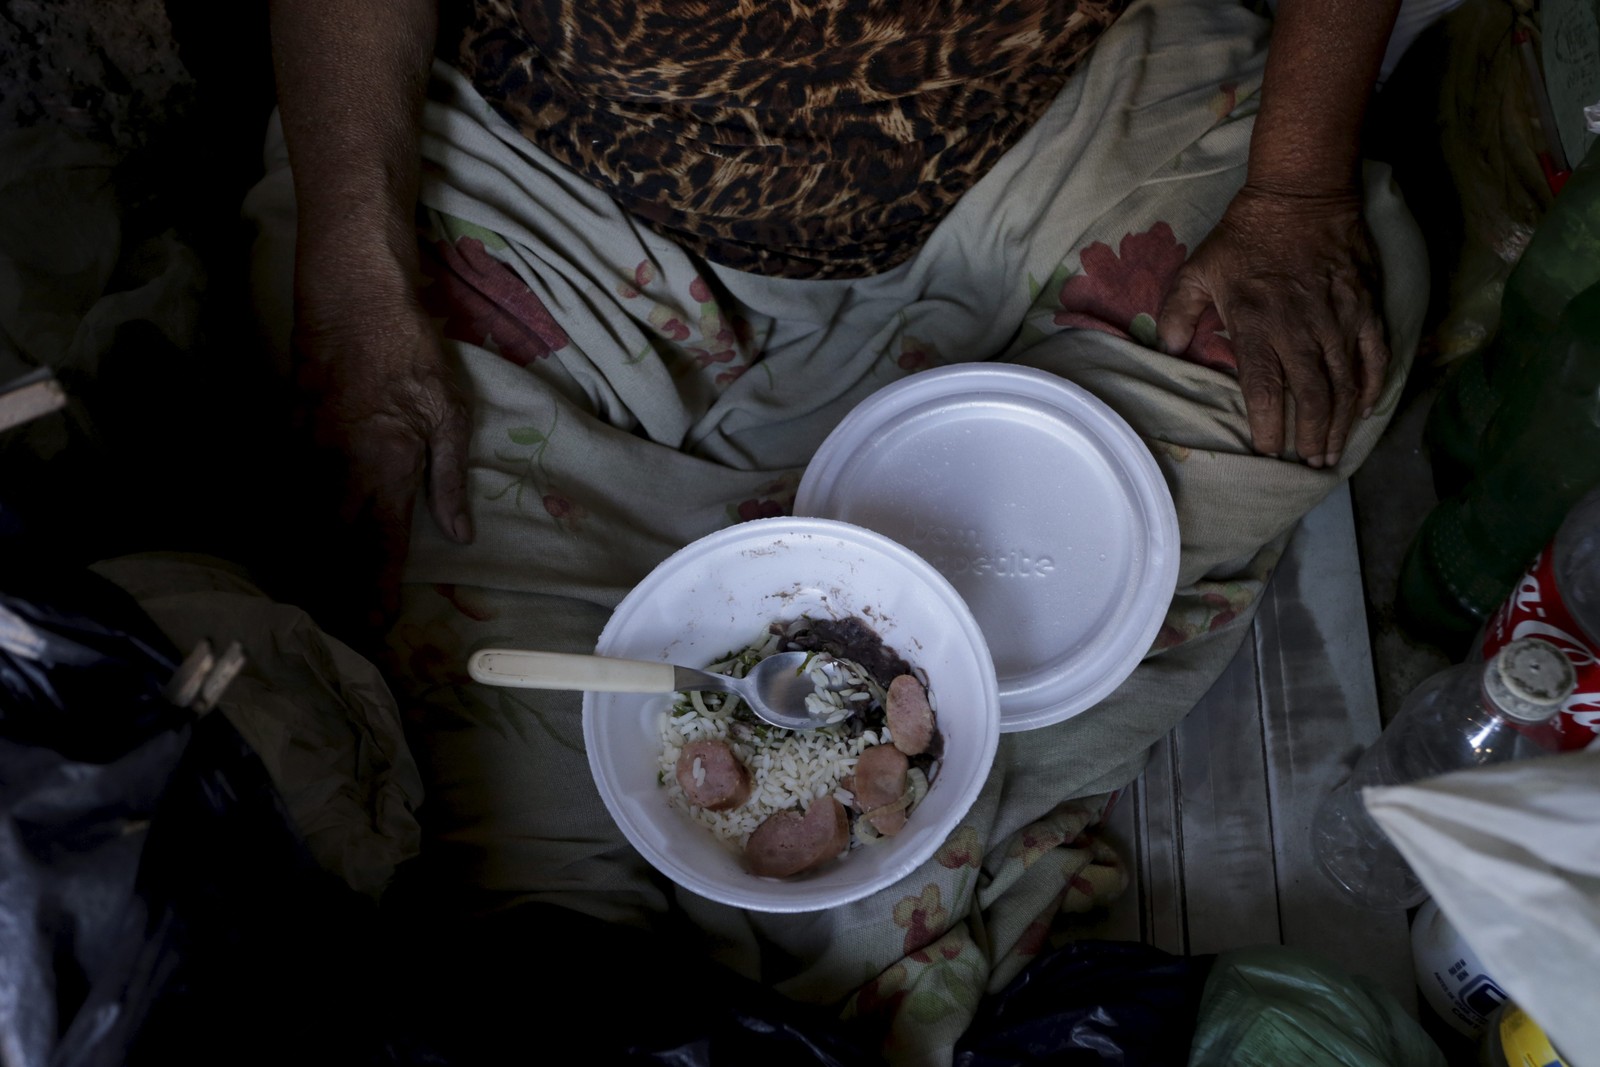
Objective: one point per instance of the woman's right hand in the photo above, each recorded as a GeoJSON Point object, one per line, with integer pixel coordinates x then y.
{"type": "Point", "coordinates": [387, 412]}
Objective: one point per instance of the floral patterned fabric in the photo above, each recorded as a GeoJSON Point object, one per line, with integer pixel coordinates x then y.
{"type": "Point", "coordinates": [631, 395]}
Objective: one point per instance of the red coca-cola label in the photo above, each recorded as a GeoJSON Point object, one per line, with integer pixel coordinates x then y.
{"type": "Point", "coordinates": [1535, 609]}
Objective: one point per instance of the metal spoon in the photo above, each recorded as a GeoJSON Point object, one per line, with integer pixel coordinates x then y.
{"type": "Point", "coordinates": [776, 688]}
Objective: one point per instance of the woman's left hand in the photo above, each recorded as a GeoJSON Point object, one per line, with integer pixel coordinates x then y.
{"type": "Point", "coordinates": [1295, 280]}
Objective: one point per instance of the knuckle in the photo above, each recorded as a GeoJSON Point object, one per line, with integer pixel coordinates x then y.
{"type": "Point", "coordinates": [1262, 395]}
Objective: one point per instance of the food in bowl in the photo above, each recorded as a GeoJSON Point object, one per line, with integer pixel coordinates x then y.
{"type": "Point", "coordinates": [792, 801]}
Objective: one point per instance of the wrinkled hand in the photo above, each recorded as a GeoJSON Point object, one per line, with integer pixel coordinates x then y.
{"type": "Point", "coordinates": [1295, 280]}
{"type": "Point", "coordinates": [388, 412]}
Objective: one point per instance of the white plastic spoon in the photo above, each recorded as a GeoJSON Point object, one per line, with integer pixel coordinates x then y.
{"type": "Point", "coordinates": [776, 688]}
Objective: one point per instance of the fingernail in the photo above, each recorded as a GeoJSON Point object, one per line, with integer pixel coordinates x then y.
{"type": "Point", "coordinates": [1367, 414]}
{"type": "Point", "coordinates": [463, 528]}
{"type": "Point", "coordinates": [1313, 461]}
{"type": "Point", "coordinates": [1333, 458]}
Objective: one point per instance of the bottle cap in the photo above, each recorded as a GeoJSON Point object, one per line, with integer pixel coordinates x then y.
{"type": "Point", "coordinates": [1529, 679]}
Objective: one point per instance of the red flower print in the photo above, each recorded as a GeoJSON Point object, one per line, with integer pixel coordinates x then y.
{"type": "Point", "coordinates": [700, 291]}
{"type": "Point", "coordinates": [568, 515]}
{"type": "Point", "coordinates": [431, 651]}
{"type": "Point", "coordinates": [760, 509]}
{"type": "Point", "coordinates": [1036, 840]}
{"type": "Point", "coordinates": [1226, 100]}
{"type": "Point", "coordinates": [484, 302]}
{"type": "Point", "coordinates": [1170, 636]}
{"type": "Point", "coordinates": [463, 601]}
{"type": "Point", "coordinates": [916, 354]}
{"type": "Point", "coordinates": [668, 324]}
{"type": "Point", "coordinates": [883, 994]}
{"type": "Point", "coordinates": [1033, 939]}
{"type": "Point", "coordinates": [1122, 296]}
{"type": "Point", "coordinates": [949, 946]}
{"type": "Point", "coordinates": [731, 375]}
{"type": "Point", "coordinates": [644, 274]}
{"type": "Point", "coordinates": [705, 359]}
{"type": "Point", "coordinates": [771, 500]}
{"type": "Point", "coordinates": [1224, 608]}
{"type": "Point", "coordinates": [922, 917]}
{"type": "Point", "coordinates": [960, 850]}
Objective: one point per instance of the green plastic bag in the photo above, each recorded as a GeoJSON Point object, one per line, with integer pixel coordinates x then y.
{"type": "Point", "coordinates": [1281, 1007]}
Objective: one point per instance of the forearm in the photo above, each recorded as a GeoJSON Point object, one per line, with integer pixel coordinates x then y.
{"type": "Point", "coordinates": [1321, 68]}
{"type": "Point", "coordinates": [351, 76]}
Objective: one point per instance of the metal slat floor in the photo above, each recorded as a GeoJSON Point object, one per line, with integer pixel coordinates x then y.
{"type": "Point", "coordinates": [1217, 829]}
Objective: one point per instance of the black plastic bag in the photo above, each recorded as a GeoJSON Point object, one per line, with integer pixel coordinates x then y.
{"type": "Point", "coordinates": [86, 748]}
{"type": "Point", "coordinates": [155, 903]}
{"type": "Point", "coordinates": [1117, 1003]}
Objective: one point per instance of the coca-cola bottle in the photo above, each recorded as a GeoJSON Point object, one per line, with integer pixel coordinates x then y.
{"type": "Point", "coordinates": [1470, 715]}
{"type": "Point", "coordinates": [1558, 600]}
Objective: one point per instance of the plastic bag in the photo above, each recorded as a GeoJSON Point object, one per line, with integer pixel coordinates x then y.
{"type": "Point", "coordinates": [1091, 1002]}
{"type": "Point", "coordinates": [1270, 1006]}
{"type": "Point", "coordinates": [155, 904]}
{"type": "Point", "coordinates": [74, 786]}
{"type": "Point", "coordinates": [1511, 855]}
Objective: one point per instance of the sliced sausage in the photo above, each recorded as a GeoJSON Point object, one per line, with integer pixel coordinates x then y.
{"type": "Point", "coordinates": [880, 779]}
{"type": "Point", "coordinates": [788, 843]}
{"type": "Point", "coordinates": [910, 718]}
{"type": "Point", "coordinates": [712, 776]}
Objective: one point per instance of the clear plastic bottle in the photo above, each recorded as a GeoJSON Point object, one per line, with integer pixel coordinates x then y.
{"type": "Point", "coordinates": [1467, 716]}
{"type": "Point", "coordinates": [1576, 556]}
{"type": "Point", "coordinates": [1541, 455]}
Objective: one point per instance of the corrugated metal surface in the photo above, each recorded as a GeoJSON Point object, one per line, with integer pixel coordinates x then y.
{"type": "Point", "coordinates": [1217, 830]}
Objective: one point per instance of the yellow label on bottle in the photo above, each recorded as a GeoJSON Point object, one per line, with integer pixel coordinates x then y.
{"type": "Point", "coordinates": [1524, 1043]}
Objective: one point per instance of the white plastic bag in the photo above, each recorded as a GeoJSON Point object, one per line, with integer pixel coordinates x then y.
{"type": "Point", "coordinates": [1511, 854]}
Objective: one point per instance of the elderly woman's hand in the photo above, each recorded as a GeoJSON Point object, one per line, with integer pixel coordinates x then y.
{"type": "Point", "coordinates": [1295, 280]}
{"type": "Point", "coordinates": [387, 411]}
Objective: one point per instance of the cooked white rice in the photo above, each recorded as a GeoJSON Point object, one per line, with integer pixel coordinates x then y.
{"type": "Point", "coordinates": [788, 769]}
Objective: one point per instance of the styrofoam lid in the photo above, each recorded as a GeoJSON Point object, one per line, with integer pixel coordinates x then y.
{"type": "Point", "coordinates": [1043, 508]}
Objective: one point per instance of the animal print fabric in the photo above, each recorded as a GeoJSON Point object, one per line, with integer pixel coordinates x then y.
{"type": "Point", "coordinates": [796, 138]}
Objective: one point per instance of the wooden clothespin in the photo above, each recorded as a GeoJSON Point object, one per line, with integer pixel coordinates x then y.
{"type": "Point", "coordinates": [201, 679]}
{"type": "Point", "coordinates": [26, 398]}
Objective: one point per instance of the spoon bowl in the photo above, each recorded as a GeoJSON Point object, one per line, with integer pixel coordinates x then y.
{"type": "Point", "coordinates": [775, 689]}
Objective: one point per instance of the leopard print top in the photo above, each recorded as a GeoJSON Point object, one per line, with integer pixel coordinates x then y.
{"type": "Point", "coordinates": [802, 138]}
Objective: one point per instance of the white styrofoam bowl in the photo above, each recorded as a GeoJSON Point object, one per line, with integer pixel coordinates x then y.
{"type": "Point", "coordinates": [718, 594]}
